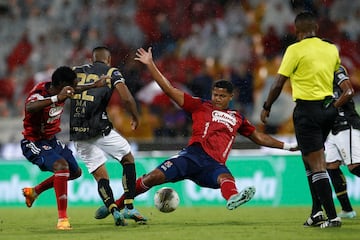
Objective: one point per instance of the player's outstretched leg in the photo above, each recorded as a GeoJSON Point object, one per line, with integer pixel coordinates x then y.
{"type": "Point", "coordinates": [30, 195]}
{"type": "Point", "coordinates": [102, 212]}
{"type": "Point", "coordinates": [135, 215]}
{"type": "Point", "coordinates": [242, 197]}
{"type": "Point", "coordinates": [118, 218]}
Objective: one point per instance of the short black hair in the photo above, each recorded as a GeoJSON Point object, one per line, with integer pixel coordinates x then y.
{"type": "Point", "coordinates": [305, 21]}
{"type": "Point", "coordinates": [224, 84]}
{"type": "Point", "coordinates": [100, 48]}
{"type": "Point", "coordinates": [63, 76]}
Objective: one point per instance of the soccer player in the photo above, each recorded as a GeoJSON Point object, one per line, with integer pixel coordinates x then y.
{"type": "Point", "coordinates": [214, 130]}
{"type": "Point", "coordinates": [343, 145]}
{"type": "Point", "coordinates": [310, 65]}
{"type": "Point", "coordinates": [94, 137]}
{"type": "Point", "coordinates": [43, 109]}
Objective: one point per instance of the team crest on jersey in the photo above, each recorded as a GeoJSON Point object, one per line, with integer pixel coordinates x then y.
{"type": "Point", "coordinates": [54, 111]}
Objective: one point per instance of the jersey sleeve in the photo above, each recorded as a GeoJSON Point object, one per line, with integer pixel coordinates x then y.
{"type": "Point", "coordinates": [35, 94]}
{"type": "Point", "coordinates": [246, 128]}
{"type": "Point", "coordinates": [116, 76]}
{"type": "Point", "coordinates": [191, 103]}
{"type": "Point", "coordinates": [288, 63]}
{"type": "Point", "coordinates": [340, 75]}
{"type": "Point", "coordinates": [34, 97]}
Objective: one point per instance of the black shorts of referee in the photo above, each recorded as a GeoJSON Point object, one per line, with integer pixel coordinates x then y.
{"type": "Point", "coordinates": [313, 121]}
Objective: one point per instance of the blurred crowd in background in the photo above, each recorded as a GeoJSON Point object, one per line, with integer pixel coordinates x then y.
{"type": "Point", "coordinates": [195, 42]}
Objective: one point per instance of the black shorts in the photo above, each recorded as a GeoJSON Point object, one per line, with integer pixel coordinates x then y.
{"type": "Point", "coordinates": [312, 122]}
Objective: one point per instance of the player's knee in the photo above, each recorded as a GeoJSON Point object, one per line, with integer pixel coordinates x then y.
{"type": "Point", "coordinates": [60, 164]}
{"type": "Point", "coordinates": [333, 165]}
{"type": "Point", "coordinates": [225, 177]}
{"type": "Point", "coordinates": [103, 182]}
{"type": "Point", "coordinates": [76, 174]}
{"type": "Point", "coordinates": [128, 159]}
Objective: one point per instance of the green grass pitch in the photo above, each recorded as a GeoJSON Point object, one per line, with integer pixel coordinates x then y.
{"type": "Point", "coordinates": [186, 223]}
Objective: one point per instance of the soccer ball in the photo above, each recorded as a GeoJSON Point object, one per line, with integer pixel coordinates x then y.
{"type": "Point", "coordinates": [166, 199]}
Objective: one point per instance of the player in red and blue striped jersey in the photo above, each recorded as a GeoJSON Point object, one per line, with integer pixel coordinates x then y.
{"type": "Point", "coordinates": [43, 109]}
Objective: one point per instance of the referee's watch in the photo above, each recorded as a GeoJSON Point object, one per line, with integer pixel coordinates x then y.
{"type": "Point", "coordinates": [265, 107]}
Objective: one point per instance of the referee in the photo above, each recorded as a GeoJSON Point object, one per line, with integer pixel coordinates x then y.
{"type": "Point", "coordinates": [310, 65]}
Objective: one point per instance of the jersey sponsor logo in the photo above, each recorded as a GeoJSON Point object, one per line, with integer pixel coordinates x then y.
{"type": "Point", "coordinates": [229, 120]}
{"type": "Point", "coordinates": [223, 117]}
{"type": "Point", "coordinates": [81, 129]}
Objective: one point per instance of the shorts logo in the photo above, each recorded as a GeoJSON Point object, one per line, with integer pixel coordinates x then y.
{"type": "Point", "coordinates": [46, 147]}
{"type": "Point", "coordinates": [166, 165]}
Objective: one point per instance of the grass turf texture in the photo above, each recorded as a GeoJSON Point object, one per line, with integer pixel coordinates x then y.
{"type": "Point", "coordinates": [183, 224]}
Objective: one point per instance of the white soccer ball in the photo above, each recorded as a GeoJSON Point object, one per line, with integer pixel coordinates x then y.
{"type": "Point", "coordinates": [166, 199]}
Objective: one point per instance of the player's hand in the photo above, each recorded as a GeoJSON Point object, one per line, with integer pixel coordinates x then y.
{"type": "Point", "coordinates": [134, 123]}
{"type": "Point", "coordinates": [66, 92]}
{"type": "Point", "coordinates": [144, 56]}
{"type": "Point", "coordinates": [101, 82]}
{"type": "Point", "coordinates": [264, 115]}
{"type": "Point", "coordinates": [292, 147]}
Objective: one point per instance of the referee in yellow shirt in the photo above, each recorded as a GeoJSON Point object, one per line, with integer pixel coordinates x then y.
{"type": "Point", "coordinates": [310, 65]}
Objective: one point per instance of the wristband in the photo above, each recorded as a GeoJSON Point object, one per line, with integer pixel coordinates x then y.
{"type": "Point", "coordinates": [266, 108]}
{"type": "Point", "coordinates": [288, 146]}
{"type": "Point", "coordinates": [54, 99]}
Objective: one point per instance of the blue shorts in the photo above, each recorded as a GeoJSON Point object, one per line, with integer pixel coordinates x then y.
{"type": "Point", "coordinates": [45, 152]}
{"type": "Point", "coordinates": [194, 164]}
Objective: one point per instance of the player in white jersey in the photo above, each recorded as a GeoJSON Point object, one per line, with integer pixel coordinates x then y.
{"type": "Point", "coordinates": [343, 146]}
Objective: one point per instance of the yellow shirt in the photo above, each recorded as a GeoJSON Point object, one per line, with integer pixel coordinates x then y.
{"type": "Point", "coordinates": [310, 64]}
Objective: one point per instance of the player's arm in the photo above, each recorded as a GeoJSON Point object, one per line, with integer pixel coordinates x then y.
{"type": "Point", "coordinates": [274, 93]}
{"type": "Point", "coordinates": [266, 140]}
{"type": "Point", "coordinates": [146, 58]}
{"type": "Point", "coordinates": [129, 103]}
{"type": "Point", "coordinates": [347, 93]}
{"type": "Point", "coordinates": [38, 104]}
{"type": "Point", "coordinates": [99, 83]}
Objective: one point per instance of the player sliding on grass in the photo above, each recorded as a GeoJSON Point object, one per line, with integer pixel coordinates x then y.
{"type": "Point", "coordinates": [214, 130]}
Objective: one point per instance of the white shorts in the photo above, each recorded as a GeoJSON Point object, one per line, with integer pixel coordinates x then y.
{"type": "Point", "coordinates": [94, 152]}
{"type": "Point", "coordinates": [344, 146]}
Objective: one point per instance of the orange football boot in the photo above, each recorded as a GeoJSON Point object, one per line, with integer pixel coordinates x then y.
{"type": "Point", "coordinates": [30, 196]}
